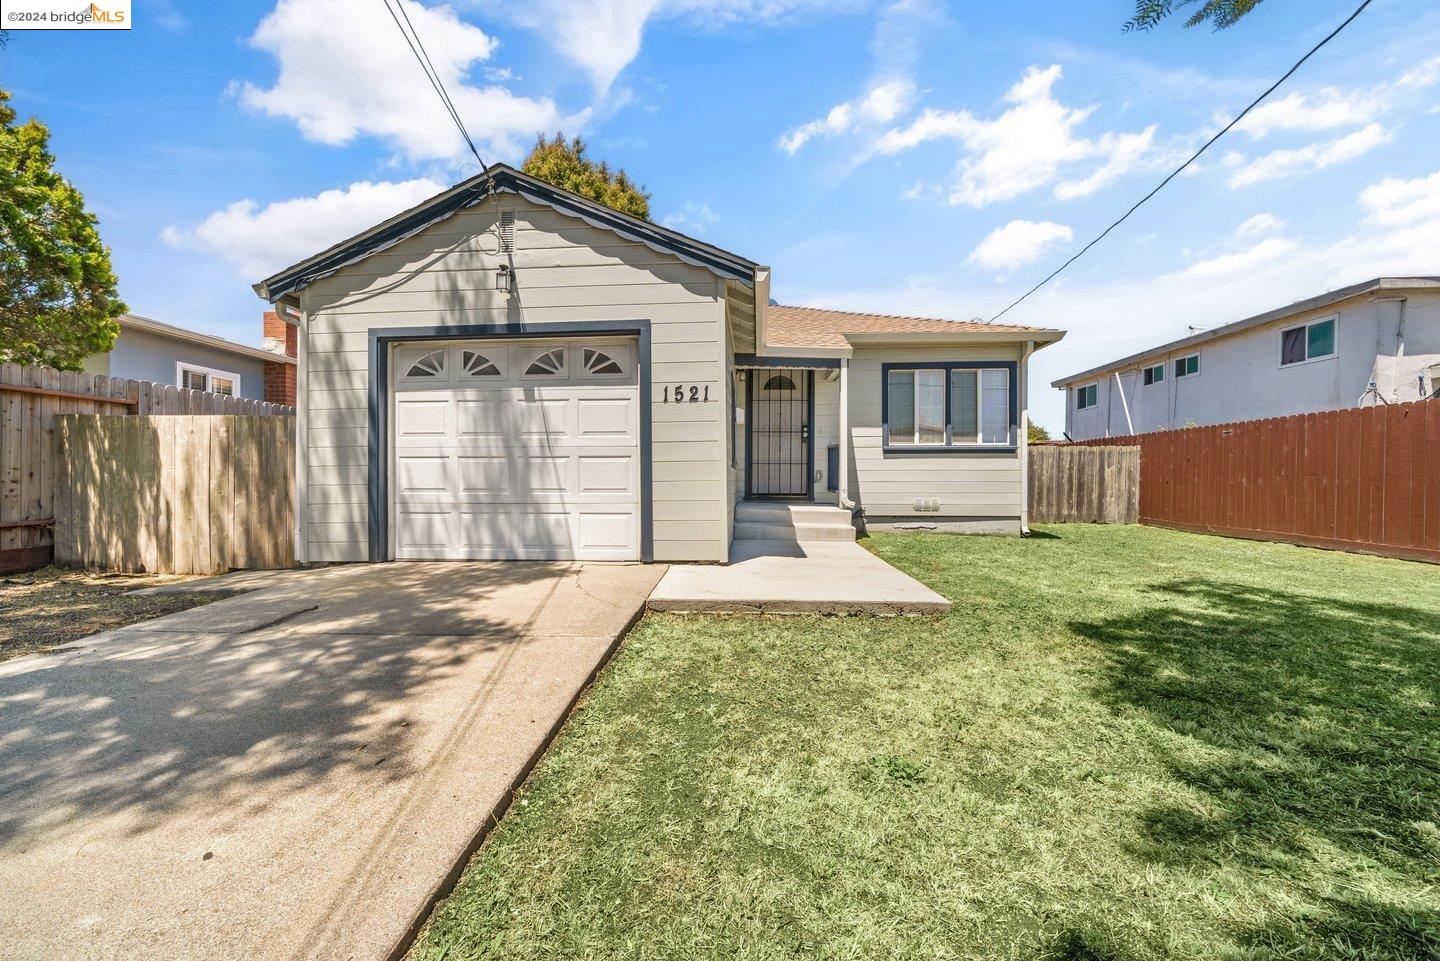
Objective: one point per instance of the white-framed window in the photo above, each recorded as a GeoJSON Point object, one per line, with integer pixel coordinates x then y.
{"type": "Point", "coordinates": [1154, 374]}
{"type": "Point", "coordinates": [948, 406]}
{"type": "Point", "coordinates": [1306, 342]}
{"type": "Point", "coordinates": [1187, 366]}
{"type": "Point", "coordinates": [194, 377]}
{"type": "Point", "coordinates": [1086, 397]}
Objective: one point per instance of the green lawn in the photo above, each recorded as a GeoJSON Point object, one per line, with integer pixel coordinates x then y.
{"type": "Point", "coordinates": [1123, 743]}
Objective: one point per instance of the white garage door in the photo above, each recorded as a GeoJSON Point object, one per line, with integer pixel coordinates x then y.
{"type": "Point", "coordinates": [522, 449]}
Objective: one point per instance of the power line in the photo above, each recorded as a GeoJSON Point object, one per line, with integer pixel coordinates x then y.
{"type": "Point", "coordinates": [417, 47]}
{"type": "Point", "coordinates": [1183, 167]}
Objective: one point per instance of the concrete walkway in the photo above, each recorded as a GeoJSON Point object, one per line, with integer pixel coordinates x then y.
{"type": "Point", "coordinates": [785, 577]}
{"type": "Point", "coordinates": [290, 773]}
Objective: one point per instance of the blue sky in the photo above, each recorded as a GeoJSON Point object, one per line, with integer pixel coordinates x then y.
{"type": "Point", "coordinates": [902, 157]}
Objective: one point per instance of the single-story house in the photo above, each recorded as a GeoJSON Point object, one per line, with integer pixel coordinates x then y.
{"type": "Point", "coordinates": [165, 354]}
{"type": "Point", "coordinates": [509, 370]}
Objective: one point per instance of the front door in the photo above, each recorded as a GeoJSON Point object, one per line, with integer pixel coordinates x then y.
{"type": "Point", "coordinates": [778, 412]}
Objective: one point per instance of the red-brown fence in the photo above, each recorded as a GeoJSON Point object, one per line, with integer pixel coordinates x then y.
{"type": "Point", "coordinates": [1365, 479]}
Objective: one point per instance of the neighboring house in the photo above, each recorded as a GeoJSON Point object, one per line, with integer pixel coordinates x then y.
{"type": "Point", "coordinates": [164, 354]}
{"type": "Point", "coordinates": [1371, 343]}
{"type": "Point", "coordinates": [509, 370]}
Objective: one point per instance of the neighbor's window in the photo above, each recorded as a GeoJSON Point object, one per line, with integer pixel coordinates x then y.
{"type": "Point", "coordinates": [206, 379]}
{"type": "Point", "coordinates": [1154, 375]}
{"type": "Point", "coordinates": [1085, 397]}
{"type": "Point", "coordinates": [1187, 366]}
{"type": "Point", "coordinates": [978, 409]}
{"type": "Point", "coordinates": [1308, 342]}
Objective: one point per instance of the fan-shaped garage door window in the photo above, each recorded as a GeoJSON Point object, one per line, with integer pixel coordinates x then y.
{"type": "Point", "coordinates": [779, 382]}
{"type": "Point", "coordinates": [599, 362]}
{"type": "Point", "coordinates": [476, 364]}
{"type": "Point", "coordinates": [549, 364]}
{"type": "Point", "coordinates": [430, 365]}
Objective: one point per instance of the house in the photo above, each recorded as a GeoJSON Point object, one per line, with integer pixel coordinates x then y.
{"type": "Point", "coordinates": [164, 354]}
{"type": "Point", "coordinates": [509, 370]}
{"type": "Point", "coordinates": [1372, 343]}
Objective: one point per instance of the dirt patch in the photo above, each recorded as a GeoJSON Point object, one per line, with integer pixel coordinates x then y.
{"type": "Point", "coordinates": [52, 606]}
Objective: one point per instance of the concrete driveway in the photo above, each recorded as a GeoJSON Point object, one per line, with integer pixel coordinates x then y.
{"type": "Point", "coordinates": [290, 773]}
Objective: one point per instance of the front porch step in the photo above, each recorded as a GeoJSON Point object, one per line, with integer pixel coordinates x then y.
{"type": "Point", "coordinates": [783, 512]}
{"type": "Point", "coordinates": [796, 533]}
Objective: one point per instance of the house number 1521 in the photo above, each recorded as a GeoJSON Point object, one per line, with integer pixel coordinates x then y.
{"type": "Point", "coordinates": [686, 394]}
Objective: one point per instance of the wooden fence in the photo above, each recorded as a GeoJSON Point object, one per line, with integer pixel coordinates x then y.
{"type": "Point", "coordinates": [1363, 479]}
{"type": "Point", "coordinates": [30, 398]}
{"type": "Point", "coordinates": [1084, 485]}
{"type": "Point", "coordinates": [175, 494]}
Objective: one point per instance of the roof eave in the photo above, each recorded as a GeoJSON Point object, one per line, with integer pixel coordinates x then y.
{"type": "Point", "coordinates": [160, 329]}
{"type": "Point", "coordinates": [869, 338]}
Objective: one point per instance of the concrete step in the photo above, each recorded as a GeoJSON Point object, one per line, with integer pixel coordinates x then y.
{"type": "Point", "coordinates": [773, 512]}
{"type": "Point", "coordinates": [795, 533]}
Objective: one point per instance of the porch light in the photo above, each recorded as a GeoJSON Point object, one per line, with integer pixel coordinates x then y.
{"type": "Point", "coordinates": [505, 278]}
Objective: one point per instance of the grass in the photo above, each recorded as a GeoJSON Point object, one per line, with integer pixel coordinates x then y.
{"type": "Point", "coordinates": [45, 609]}
{"type": "Point", "coordinates": [1122, 743]}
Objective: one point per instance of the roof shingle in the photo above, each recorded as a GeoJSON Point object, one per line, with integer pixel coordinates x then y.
{"type": "Point", "coordinates": [817, 327]}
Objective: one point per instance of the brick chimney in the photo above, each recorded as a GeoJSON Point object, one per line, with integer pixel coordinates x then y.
{"type": "Point", "coordinates": [280, 338]}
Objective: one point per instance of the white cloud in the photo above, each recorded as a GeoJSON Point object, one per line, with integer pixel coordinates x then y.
{"type": "Point", "coordinates": [1326, 110]}
{"type": "Point", "coordinates": [1025, 148]}
{"type": "Point", "coordinates": [880, 105]}
{"type": "Point", "coordinates": [1018, 243]}
{"type": "Point", "coordinates": [604, 36]}
{"type": "Point", "coordinates": [694, 217]}
{"type": "Point", "coordinates": [257, 240]}
{"type": "Point", "coordinates": [1393, 202]}
{"type": "Point", "coordinates": [1228, 264]}
{"type": "Point", "coordinates": [1262, 223]}
{"type": "Point", "coordinates": [345, 72]}
{"type": "Point", "coordinates": [1290, 163]}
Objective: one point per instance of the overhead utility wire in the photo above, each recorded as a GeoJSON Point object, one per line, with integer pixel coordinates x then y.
{"type": "Point", "coordinates": [417, 47]}
{"type": "Point", "coordinates": [1196, 156]}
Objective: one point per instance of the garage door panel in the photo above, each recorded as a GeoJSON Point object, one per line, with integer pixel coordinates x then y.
{"type": "Point", "coordinates": [513, 467]}
{"type": "Point", "coordinates": [417, 474]}
{"type": "Point", "coordinates": [483, 475]}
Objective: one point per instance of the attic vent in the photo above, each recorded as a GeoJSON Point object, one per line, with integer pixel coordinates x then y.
{"type": "Point", "coordinates": [507, 231]}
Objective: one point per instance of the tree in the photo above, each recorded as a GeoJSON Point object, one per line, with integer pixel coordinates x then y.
{"type": "Point", "coordinates": [58, 299]}
{"type": "Point", "coordinates": [1220, 13]}
{"type": "Point", "coordinates": [564, 164]}
{"type": "Point", "coordinates": [1037, 434]}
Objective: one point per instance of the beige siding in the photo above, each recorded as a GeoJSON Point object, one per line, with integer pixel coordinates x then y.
{"type": "Point", "coordinates": [567, 271]}
{"type": "Point", "coordinates": [971, 485]}
{"type": "Point", "coordinates": [826, 426]}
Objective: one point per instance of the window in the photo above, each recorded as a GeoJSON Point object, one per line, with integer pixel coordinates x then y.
{"type": "Point", "coordinates": [1308, 342]}
{"type": "Point", "coordinates": [1187, 366]}
{"type": "Point", "coordinates": [549, 364]}
{"type": "Point", "coordinates": [1085, 396]}
{"type": "Point", "coordinates": [779, 382]}
{"type": "Point", "coordinates": [1153, 375]}
{"type": "Point", "coordinates": [955, 405]}
{"type": "Point", "coordinates": [431, 364]}
{"type": "Point", "coordinates": [599, 362]}
{"type": "Point", "coordinates": [476, 364]}
{"type": "Point", "coordinates": [207, 379]}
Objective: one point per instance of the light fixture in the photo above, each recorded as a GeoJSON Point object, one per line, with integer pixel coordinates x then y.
{"type": "Point", "coordinates": [505, 278]}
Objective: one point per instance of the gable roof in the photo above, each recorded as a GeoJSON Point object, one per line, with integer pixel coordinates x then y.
{"type": "Point", "coordinates": [817, 327]}
{"type": "Point", "coordinates": [502, 178]}
{"type": "Point", "coordinates": [149, 326]}
{"type": "Point", "coordinates": [1270, 316]}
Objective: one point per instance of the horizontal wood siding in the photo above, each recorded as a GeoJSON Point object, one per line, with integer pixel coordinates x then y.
{"type": "Point", "coordinates": [969, 485]}
{"type": "Point", "coordinates": [566, 271]}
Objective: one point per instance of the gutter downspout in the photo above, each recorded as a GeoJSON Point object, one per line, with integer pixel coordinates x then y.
{"type": "Point", "coordinates": [842, 486]}
{"type": "Point", "coordinates": [1124, 404]}
{"type": "Point", "coordinates": [1024, 439]}
{"type": "Point", "coordinates": [302, 432]}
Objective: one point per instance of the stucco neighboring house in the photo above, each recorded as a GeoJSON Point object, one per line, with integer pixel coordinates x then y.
{"type": "Point", "coordinates": [1372, 343]}
{"type": "Point", "coordinates": [165, 354]}
{"type": "Point", "coordinates": [509, 370]}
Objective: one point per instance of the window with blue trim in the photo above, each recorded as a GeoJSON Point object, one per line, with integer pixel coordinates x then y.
{"type": "Point", "coordinates": [949, 406]}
